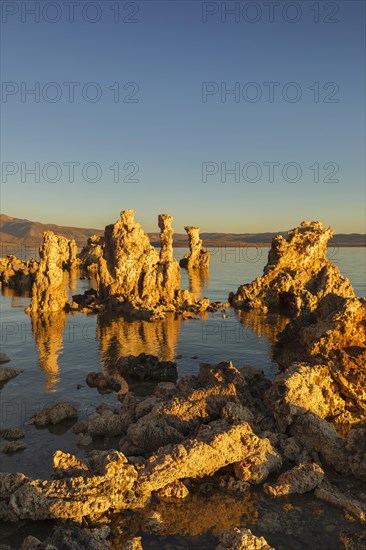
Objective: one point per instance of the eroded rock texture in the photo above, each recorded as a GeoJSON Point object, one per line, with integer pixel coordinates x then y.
{"type": "Point", "coordinates": [297, 275]}
{"type": "Point", "coordinates": [333, 335]}
{"type": "Point", "coordinates": [48, 293]}
{"type": "Point", "coordinates": [199, 257]}
{"type": "Point", "coordinates": [131, 271]}
{"type": "Point", "coordinates": [91, 252]}
{"type": "Point", "coordinates": [16, 274]}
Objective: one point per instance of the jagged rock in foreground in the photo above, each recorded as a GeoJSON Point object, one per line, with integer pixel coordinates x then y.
{"type": "Point", "coordinates": [215, 446]}
{"type": "Point", "coordinates": [333, 335]}
{"type": "Point", "coordinates": [198, 258]}
{"type": "Point", "coordinates": [297, 275]}
{"type": "Point", "coordinates": [48, 293]}
{"type": "Point", "coordinates": [16, 274]}
{"type": "Point", "coordinates": [242, 539]}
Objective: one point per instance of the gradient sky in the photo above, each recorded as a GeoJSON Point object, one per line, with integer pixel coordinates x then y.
{"type": "Point", "coordinates": [170, 132]}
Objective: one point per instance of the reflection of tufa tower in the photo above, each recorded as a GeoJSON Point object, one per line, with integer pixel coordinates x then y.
{"type": "Point", "coordinates": [118, 338]}
{"type": "Point", "coordinates": [198, 280]}
{"type": "Point", "coordinates": [48, 334]}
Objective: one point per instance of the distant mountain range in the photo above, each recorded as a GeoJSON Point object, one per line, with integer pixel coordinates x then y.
{"type": "Point", "coordinates": [15, 231]}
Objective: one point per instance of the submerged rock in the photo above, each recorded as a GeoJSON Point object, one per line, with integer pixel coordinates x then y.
{"type": "Point", "coordinates": [8, 374]}
{"type": "Point", "coordinates": [13, 447]}
{"type": "Point", "coordinates": [198, 258]}
{"type": "Point", "coordinates": [12, 433]}
{"type": "Point", "coordinates": [297, 275]}
{"type": "Point", "coordinates": [54, 415]}
{"type": "Point", "coordinates": [147, 367]}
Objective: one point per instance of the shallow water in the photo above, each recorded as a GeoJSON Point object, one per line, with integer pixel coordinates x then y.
{"type": "Point", "coordinates": [57, 354]}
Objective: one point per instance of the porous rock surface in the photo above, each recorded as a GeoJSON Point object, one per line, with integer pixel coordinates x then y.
{"type": "Point", "coordinates": [48, 293]}
{"type": "Point", "coordinates": [297, 275]}
{"type": "Point", "coordinates": [17, 274]}
{"type": "Point", "coordinates": [198, 257]}
{"type": "Point", "coordinates": [54, 415]}
{"type": "Point", "coordinates": [242, 539]}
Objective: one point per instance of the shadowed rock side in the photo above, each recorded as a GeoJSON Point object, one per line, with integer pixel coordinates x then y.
{"type": "Point", "coordinates": [332, 335]}
{"type": "Point", "coordinates": [91, 252]}
{"type": "Point", "coordinates": [16, 274]}
{"type": "Point", "coordinates": [297, 275]}
{"type": "Point", "coordinates": [198, 258]}
{"type": "Point", "coordinates": [131, 270]}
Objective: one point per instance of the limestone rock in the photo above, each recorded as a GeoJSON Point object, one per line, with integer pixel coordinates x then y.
{"type": "Point", "coordinates": [72, 537]}
{"type": "Point", "coordinates": [198, 258]}
{"type": "Point", "coordinates": [175, 490]}
{"type": "Point", "coordinates": [133, 544]}
{"type": "Point", "coordinates": [104, 382]}
{"type": "Point", "coordinates": [12, 433]}
{"type": "Point", "coordinates": [8, 374]}
{"type": "Point", "coordinates": [259, 460]}
{"type": "Point", "coordinates": [91, 252]}
{"type": "Point", "coordinates": [54, 415]}
{"type": "Point", "coordinates": [147, 367]}
{"type": "Point", "coordinates": [171, 421]}
{"type": "Point", "coordinates": [304, 388]}
{"type": "Point", "coordinates": [17, 274]}
{"type": "Point", "coordinates": [131, 270]}
{"type": "Point", "coordinates": [242, 539]}
{"type": "Point", "coordinates": [318, 435]}
{"type": "Point", "coordinates": [216, 445]}
{"type": "Point", "coordinates": [334, 334]}
{"type": "Point", "coordinates": [48, 293]}
{"type": "Point", "coordinates": [13, 447]}
{"type": "Point", "coordinates": [301, 479]}
{"type": "Point", "coordinates": [354, 540]}
{"type": "Point", "coordinates": [297, 275]}
{"type": "Point", "coordinates": [356, 447]}
{"type": "Point", "coordinates": [4, 358]}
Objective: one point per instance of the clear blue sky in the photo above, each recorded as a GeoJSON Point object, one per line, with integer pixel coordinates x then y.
{"type": "Point", "coordinates": [170, 131]}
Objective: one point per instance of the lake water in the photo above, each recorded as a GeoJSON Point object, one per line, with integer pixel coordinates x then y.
{"type": "Point", "coordinates": [56, 356]}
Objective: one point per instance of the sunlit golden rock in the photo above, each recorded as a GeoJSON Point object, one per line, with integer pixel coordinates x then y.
{"type": "Point", "coordinates": [297, 275]}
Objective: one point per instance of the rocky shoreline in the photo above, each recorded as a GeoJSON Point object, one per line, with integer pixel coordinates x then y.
{"type": "Point", "coordinates": [228, 431]}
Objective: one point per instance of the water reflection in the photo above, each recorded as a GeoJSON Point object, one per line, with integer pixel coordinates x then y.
{"type": "Point", "coordinates": [199, 279]}
{"type": "Point", "coordinates": [48, 334]}
{"type": "Point", "coordinates": [119, 337]}
{"type": "Point", "coordinates": [263, 325]}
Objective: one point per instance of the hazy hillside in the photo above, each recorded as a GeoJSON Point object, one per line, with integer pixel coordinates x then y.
{"type": "Point", "coordinates": [28, 233]}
